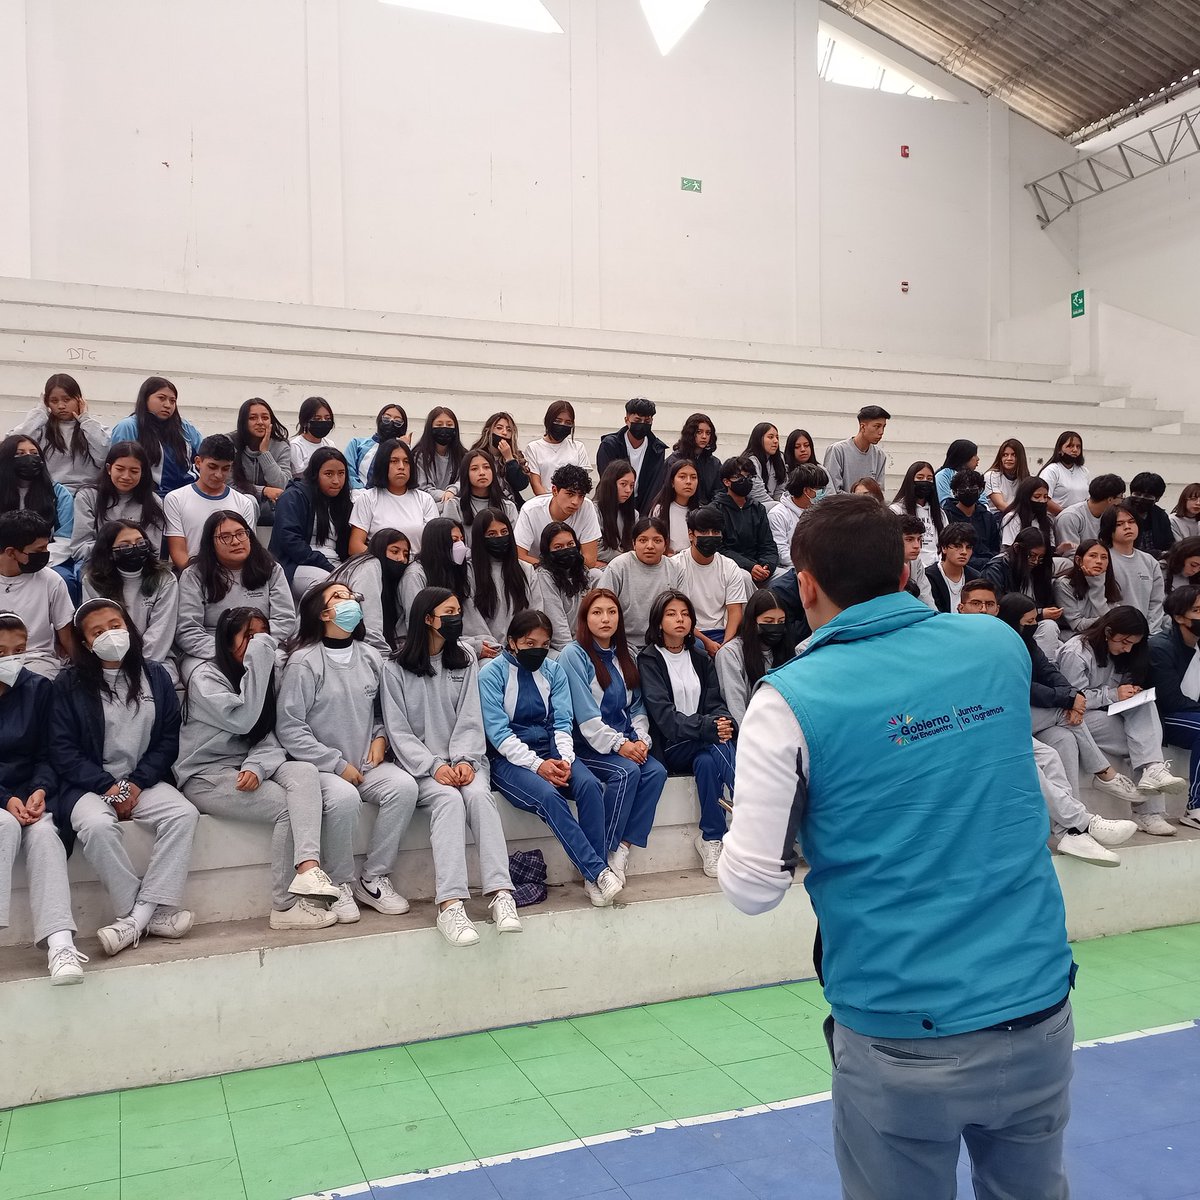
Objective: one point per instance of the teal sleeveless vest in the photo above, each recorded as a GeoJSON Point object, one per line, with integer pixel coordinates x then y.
{"type": "Point", "coordinates": [924, 828]}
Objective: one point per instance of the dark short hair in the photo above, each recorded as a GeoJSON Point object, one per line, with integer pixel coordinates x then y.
{"type": "Point", "coordinates": [739, 464]}
{"type": "Point", "coordinates": [218, 446]}
{"type": "Point", "coordinates": [639, 406]}
{"type": "Point", "coordinates": [872, 412]}
{"type": "Point", "coordinates": [572, 478]}
{"type": "Point", "coordinates": [1180, 600]}
{"type": "Point", "coordinates": [643, 523]}
{"type": "Point", "coordinates": [22, 527]}
{"type": "Point", "coordinates": [957, 533]}
{"type": "Point", "coordinates": [966, 480]}
{"type": "Point", "coordinates": [807, 475]}
{"type": "Point", "coordinates": [1107, 487]}
{"type": "Point", "coordinates": [525, 622]}
{"type": "Point", "coordinates": [977, 585]}
{"type": "Point", "coordinates": [852, 547]}
{"type": "Point", "coordinates": [1147, 483]}
{"type": "Point", "coordinates": [708, 516]}
{"type": "Point", "coordinates": [911, 525]}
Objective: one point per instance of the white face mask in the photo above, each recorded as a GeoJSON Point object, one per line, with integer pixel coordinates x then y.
{"type": "Point", "coordinates": [460, 552]}
{"type": "Point", "coordinates": [112, 645]}
{"type": "Point", "coordinates": [10, 668]}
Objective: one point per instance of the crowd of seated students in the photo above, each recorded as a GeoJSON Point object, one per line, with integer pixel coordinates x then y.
{"type": "Point", "coordinates": [269, 628]}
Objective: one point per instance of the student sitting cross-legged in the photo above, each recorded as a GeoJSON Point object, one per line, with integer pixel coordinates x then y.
{"type": "Point", "coordinates": [434, 724]}
{"type": "Point", "coordinates": [612, 731]}
{"type": "Point", "coordinates": [528, 719]}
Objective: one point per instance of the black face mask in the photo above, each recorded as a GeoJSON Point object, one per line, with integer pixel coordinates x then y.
{"type": "Point", "coordinates": [742, 486]}
{"type": "Point", "coordinates": [708, 546]}
{"type": "Point", "coordinates": [967, 498]}
{"type": "Point", "coordinates": [1068, 460]}
{"type": "Point", "coordinates": [393, 569]}
{"type": "Point", "coordinates": [923, 489]}
{"type": "Point", "coordinates": [1140, 504]}
{"type": "Point", "coordinates": [27, 467]}
{"type": "Point", "coordinates": [444, 436]}
{"type": "Point", "coordinates": [496, 440]}
{"type": "Point", "coordinates": [451, 629]}
{"type": "Point", "coordinates": [36, 562]}
{"type": "Point", "coordinates": [560, 432]}
{"type": "Point", "coordinates": [531, 660]}
{"type": "Point", "coordinates": [639, 429]}
{"type": "Point", "coordinates": [1038, 507]}
{"type": "Point", "coordinates": [131, 558]}
{"type": "Point", "coordinates": [1194, 626]}
{"type": "Point", "coordinates": [320, 427]}
{"type": "Point", "coordinates": [771, 635]}
{"type": "Point", "coordinates": [498, 547]}
{"type": "Point", "coordinates": [392, 429]}
{"type": "Point", "coordinates": [1027, 632]}
{"type": "Point", "coordinates": [567, 556]}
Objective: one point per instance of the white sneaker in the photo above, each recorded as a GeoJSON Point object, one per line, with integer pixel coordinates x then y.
{"type": "Point", "coordinates": [1085, 847]}
{"type": "Point", "coordinates": [455, 926]}
{"type": "Point", "coordinates": [118, 936]}
{"type": "Point", "coordinates": [609, 885]}
{"type": "Point", "coordinates": [65, 966]}
{"type": "Point", "coordinates": [1119, 786]}
{"type": "Point", "coordinates": [710, 855]}
{"type": "Point", "coordinates": [304, 914]}
{"type": "Point", "coordinates": [170, 923]}
{"type": "Point", "coordinates": [504, 913]}
{"type": "Point", "coordinates": [1111, 833]}
{"type": "Point", "coordinates": [1154, 823]}
{"type": "Point", "coordinates": [618, 860]}
{"type": "Point", "coordinates": [1157, 778]}
{"type": "Point", "coordinates": [380, 895]}
{"type": "Point", "coordinates": [345, 911]}
{"type": "Point", "coordinates": [1191, 817]}
{"type": "Point", "coordinates": [313, 882]}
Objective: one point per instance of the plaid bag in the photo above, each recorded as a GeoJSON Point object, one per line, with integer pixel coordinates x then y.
{"type": "Point", "coordinates": [528, 871]}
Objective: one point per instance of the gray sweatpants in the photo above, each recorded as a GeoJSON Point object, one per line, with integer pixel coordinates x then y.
{"type": "Point", "coordinates": [171, 818]}
{"type": "Point", "coordinates": [1137, 735]}
{"type": "Point", "coordinates": [902, 1107]}
{"type": "Point", "coordinates": [1074, 743]}
{"type": "Point", "coordinates": [307, 825]}
{"type": "Point", "coordinates": [394, 793]}
{"type": "Point", "coordinates": [1066, 809]}
{"type": "Point", "coordinates": [46, 866]}
{"type": "Point", "coordinates": [451, 811]}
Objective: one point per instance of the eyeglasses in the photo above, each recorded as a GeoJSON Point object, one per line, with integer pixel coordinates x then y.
{"type": "Point", "coordinates": [231, 539]}
{"type": "Point", "coordinates": [1128, 641]}
{"type": "Point", "coordinates": [982, 605]}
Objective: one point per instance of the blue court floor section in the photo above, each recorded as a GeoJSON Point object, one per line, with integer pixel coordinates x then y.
{"type": "Point", "coordinates": [1133, 1136]}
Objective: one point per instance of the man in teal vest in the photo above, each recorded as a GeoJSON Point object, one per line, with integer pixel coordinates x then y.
{"type": "Point", "coordinates": [896, 748]}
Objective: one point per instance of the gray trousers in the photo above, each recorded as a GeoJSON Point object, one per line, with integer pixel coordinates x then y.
{"type": "Point", "coordinates": [306, 825]}
{"type": "Point", "coordinates": [46, 866]}
{"type": "Point", "coordinates": [1137, 735]}
{"type": "Point", "coordinates": [171, 818]}
{"type": "Point", "coordinates": [451, 811]}
{"type": "Point", "coordinates": [902, 1107]}
{"type": "Point", "coordinates": [394, 793]}
{"type": "Point", "coordinates": [1074, 743]}
{"type": "Point", "coordinates": [1066, 809]}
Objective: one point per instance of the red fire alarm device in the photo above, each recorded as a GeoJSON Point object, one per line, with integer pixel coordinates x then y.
{"type": "Point", "coordinates": [903, 151]}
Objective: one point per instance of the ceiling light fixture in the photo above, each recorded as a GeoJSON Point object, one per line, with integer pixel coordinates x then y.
{"type": "Point", "coordinates": [516, 14]}
{"type": "Point", "coordinates": [669, 20]}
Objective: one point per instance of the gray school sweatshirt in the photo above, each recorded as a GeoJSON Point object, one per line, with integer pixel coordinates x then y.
{"type": "Point", "coordinates": [636, 585]}
{"type": "Point", "coordinates": [198, 620]}
{"type": "Point", "coordinates": [154, 615]}
{"type": "Point", "coordinates": [1140, 580]}
{"type": "Point", "coordinates": [434, 721]}
{"type": "Point", "coordinates": [497, 627]}
{"type": "Point", "coordinates": [218, 716]}
{"type": "Point", "coordinates": [557, 605]}
{"type": "Point", "coordinates": [1076, 612]}
{"type": "Point", "coordinates": [125, 508]}
{"type": "Point", "coordinates": [475, 628]}
{"type": "Point", "coordinates": [127, 728]}
{"type": "Point", "coordinates": [327, 712]}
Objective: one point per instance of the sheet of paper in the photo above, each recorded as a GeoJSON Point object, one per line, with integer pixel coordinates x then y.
{"type": "Point", "coordinates": [1146, 697]}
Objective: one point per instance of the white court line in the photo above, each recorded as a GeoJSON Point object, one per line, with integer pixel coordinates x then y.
{"type": "Point", "coordinates": [620, 1135]}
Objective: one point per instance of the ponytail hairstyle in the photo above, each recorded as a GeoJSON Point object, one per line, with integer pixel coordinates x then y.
{"type": "Point", "coordinates": [79, 448]}
{"type": "Point", "coordinates": [753, 651]}
{"type": "Point", "coordinates": [572, 580]}
{"type": "Point", "coordinates": [616, 519]}
{"type": "Point", "coordinates": [512, 574]}
{"type": "Point", "coordinates": [108, 497]}
{"type": "Point", "coordinates": [231, 625]}
{"type": "Point", "coordinates": [88, 670]}
{"type": "Point", "coordinates": [1130, 621]}
{"type": "Point", "coordinates": [413, 654]}
{"type": "Point", "coordinates": [620, 642]}
{"type": "Point", "coordinates": [158, 436]}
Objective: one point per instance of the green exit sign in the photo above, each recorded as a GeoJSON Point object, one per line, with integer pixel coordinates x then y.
{"type": "Point", "coordinates": [689, 185]}
{"type": "Point", "coordinates": [1077, 303]}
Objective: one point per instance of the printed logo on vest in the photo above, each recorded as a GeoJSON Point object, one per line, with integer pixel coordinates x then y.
{"type": "Point", "coordinates": [904, 728]}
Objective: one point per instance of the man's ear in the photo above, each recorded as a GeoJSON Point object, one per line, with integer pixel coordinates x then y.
{"type": "Point", "coordinates": [806, 585]}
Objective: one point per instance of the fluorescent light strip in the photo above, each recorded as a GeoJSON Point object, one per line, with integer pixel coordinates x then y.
{"type": "Point", "coordinates": [515, 14]}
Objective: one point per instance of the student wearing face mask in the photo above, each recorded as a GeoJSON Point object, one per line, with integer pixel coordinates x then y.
{"type": "Point", "coordinates": [965, 505]}
{"type": "Point", "coordinates": [1087, 590]}
{"type": "Point", "coordinates": [1029, 510]}
{"type": "Point", "coordinates": [37, 595]}
{"type": "Point", "coordinates": [637, 577]}
{"type": "Point", "coordinates": [637, 445]}
{"type": "Point", "coordinates": [1175, 676]}
{"type": "Point", "coordinates": [1065, 475]}
{"type": "Point", "coordinates": [961, 455]}
{"type": "Point", "coordinates": [328, 714]}
{"type": "Point", "coordinates": [1108, 662]}
{"type": "Point", "coordinates": [391, 421]}
{"type": "Point", "coordinates": [28, 786]}
{"type": "Point", "coordinates": [1155, 535]}
{"type": "Point", "coordinates": [763, 643]}
{"type": "Point", "coordinates": [714, 583]}
{"type": "Point", "coordinates": [123, 491]}
{"type": "Point", "coordinates": [560, 581]}
{"type": "Point", "coordinates": [556, 448]}
{"type": "Point", "coordinates": [527, 716]}
{"type": "Point", "coordinates": [805, 487]}
{"type": "Point", "coordinates": [747, 534]}
{"type": "Point", "coordinates": [114, 738]}
{"type": "Point", "coordinates": [376, 576]}
{"type": "Point", "coordinates": [25, 483]}
{"type": "Point", "coordinates": [314, 425]}
{"type": "Point", "coordinates": [917, 497]}
{"type": "Point", "coordinates": [437, 456]}
{"type": "Point", "coordinates": [501, 584]}
{"type": "Point", "coordinates": [1137, 574]}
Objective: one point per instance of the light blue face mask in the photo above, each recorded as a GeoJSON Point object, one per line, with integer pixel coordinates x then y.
{"type": "Point", "coordinates": [347, 614]}
{"type": "Point", "coordinates": [819, 494]}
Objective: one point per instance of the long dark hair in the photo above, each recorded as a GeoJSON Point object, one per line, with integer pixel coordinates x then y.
{"type": "Point", "coordinates": [654, 633]}
{"type": "Point", "coordinates": [959, 454]}
{"type": "Point", "coordinates": [39, 496]}
{"type": "Point", "coordinates": [383, 459]}
{"type": "Point", "coordinates": [616, 519]}
{"type": "Point", "coordinates": [512, 574]}
{"type": "Point", "coordinates": [79, 448]}
{"type": "Point", "coordinates": [242, 440]}
{"type": "Point", "coordinates": [1078, 581]}
{"type": "Point", "coordinates": [377, 548]}
{"type": "Point", "coordinates": [383, 412]}
{"type": "Point", "coordinates": [466, 500]}
{"type": "Point", "coordinates": [1063, 439]}
{"type": "Point", "coordinates": [906, 496]}
{"type": "Point", "coordinates": [413, 654]}
{"type": "Point", "coordinates": [1013, 607]}
{"type": "Point", "coordinates": [215, 579]}
{"type": "Point", "coordinates": [425, 453]}
{"type": "Point", "coordinates": [661, 506]}
{"type": "Point", "coordinates": [1018, 448]}
{"type": "Point", "coordinates": [329, 512]}
{"type": "Point", "coordinates": [687, 437]}
{"type": "Point", "coordinates": [230, 625]}
{"type": "Point", "coordinates": [789, 450]}
{"type": "Point", "coordinates": [310, 629]}
{"type": "Point", "coordinates": [1108, 521]}
{"type": "Point", "coordinates": [753, 657]}
{"type": "Point", "coordinates": [572, 580]}
{"type": "Point", "coordinates": [145, 494]}
{"type": "Point", "coordinates": [775, 462]}
{"type": "Point", "coordinates": [102, 573]}
{"type": "Point", "coordinates": [1179, 553]}
{"type": "Point", "coordinates": [620, 643]}
{"type": "Point", "coordinates": [441, 571]}
{"type": "Point", "coordinates": [1039, 579]}
{"type": "Point", "coordinates": [88, 670]}
{"type": "Point", "coordinates": [1022, 511]}
{"type": "Point", "coordinates": [308, 412]}
{"type": "Point", "coordinates": [158, 436]}
{"type": "Point", "coordinates": [1130, 621]}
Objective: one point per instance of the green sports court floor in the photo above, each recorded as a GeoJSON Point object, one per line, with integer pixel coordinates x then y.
{"type": "Point", "coordinates": [293, 1130]}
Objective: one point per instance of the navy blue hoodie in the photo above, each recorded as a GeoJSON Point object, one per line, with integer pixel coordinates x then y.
{"type": "Point", "coordinates": [25, 739]}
